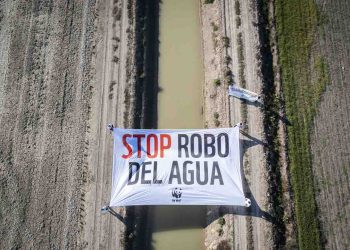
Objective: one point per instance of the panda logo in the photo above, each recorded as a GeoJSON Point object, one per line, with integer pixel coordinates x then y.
{"type": "Point", "coordinates": [176, 193]}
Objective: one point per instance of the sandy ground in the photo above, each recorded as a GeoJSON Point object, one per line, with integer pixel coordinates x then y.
{"type": "Point", "coordinates": [245, 232]}
{"type": "Point", "coordinates": [63, 77]}
{"type": "Point", "coordinates": [331, 137]}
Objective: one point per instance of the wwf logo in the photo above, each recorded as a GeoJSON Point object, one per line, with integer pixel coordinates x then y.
{"type": "Point", "coordinates": [176, 193]}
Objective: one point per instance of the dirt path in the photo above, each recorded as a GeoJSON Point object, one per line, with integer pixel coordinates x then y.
{"type": "Point", "coordinates": [247, 232]}
{"type": "Point", "coordinates": [106, 231]}
{"type": "Point", "coordinates": [256, 175]}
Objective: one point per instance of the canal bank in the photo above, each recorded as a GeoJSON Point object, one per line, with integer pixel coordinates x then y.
{"type": "Point", "coordinates": [179, 106]}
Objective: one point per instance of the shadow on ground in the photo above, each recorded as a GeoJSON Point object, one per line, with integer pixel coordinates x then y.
{"type": "Point", "coordinates": [280, 117]}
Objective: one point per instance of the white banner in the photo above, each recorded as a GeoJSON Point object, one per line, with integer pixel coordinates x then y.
{"type": "Point", "coordinates": [242, 93]}
{"type": "Point", "coordinates": [177, 167]}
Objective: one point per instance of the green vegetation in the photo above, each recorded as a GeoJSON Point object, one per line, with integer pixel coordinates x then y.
{"type": "Point", "coordinates": [111, 85]}
{"type": "Point", "coordinates": [228, 80]}
{"type": "Point", "coordinates": [238, 22]}
{"type": "Point", "coordinates": [224, 245]}
{"type": "Point", "coordinates": [304, 77]}
{"type": "Point", "coordinates": [215, 40]}
{"type": "Point", "coordinates": [115, 38]}
{"type": "Point", "coordinates": [216, 115]}
{"type": "Point", "coordinates": [227, 72]}
{"type": "Point", "coordinates": [222, 221]}
{"type": "Point", "coordinates": [241, 60]}
{"type": "Point", "coordinates": [115, 59]}
{"type": "Point", "coordinates": [228, 76]}
{"type": "Point", "coordinates": [220, 231]}
{"type": "Point", "coordinates": [209, 1]}
{"type": "Point", "coordinates": [227, 60]}
{"type": "Point", "coordinates": [215, 27]}
{"type": "Point", "coordinates": [217, 82]}
{"type": "Point", "coordinates": [237, 8]}
{"type": "Point", "coordinates": [226, 41]}
{"type": "Point", "coordinates": [241, 74]}
{"type": "Point", "coordinates": [216, 119]}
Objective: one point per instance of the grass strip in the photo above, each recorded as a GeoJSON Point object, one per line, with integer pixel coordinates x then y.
{"type": "Point", "coordinates": [304, 77]}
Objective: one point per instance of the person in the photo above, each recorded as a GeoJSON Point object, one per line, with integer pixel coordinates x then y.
{"type": "Point", "coordinates": [110, 127]}
{"type": "Point", "coordinates": [105, 209]}
{"type": "Point", "coordinates": [240, 125]}
{"type": "Point", "coordinates": [247, 202]}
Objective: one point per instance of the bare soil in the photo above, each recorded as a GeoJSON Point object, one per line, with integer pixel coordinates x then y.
{"type": "Point", "coordinates": [63, 77]}
{"type": "Point", "coordinates": [47, 48]}
{"type": "Point", "coordinates": [219, 20]}
{"type": "Point", "coordinates": [331, 136]}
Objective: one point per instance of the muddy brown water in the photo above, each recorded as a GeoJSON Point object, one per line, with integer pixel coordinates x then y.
{"type": "Point", "coordinates": [179, 106]}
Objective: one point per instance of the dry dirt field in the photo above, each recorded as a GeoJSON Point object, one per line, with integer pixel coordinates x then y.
{"type": "Point", "coordinates": [45, 87]}
{"type": "Point", "coordinates": [331, 136]}
{"type": "Point", "coordinates": [62, 79]}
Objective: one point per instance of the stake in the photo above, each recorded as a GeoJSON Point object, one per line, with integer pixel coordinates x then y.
{"type": "Point", "coordinates": [108, 209]}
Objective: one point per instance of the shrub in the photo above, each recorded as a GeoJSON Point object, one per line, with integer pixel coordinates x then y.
{"type": "Point", "coordinates": [220, 231]}
{"type": "Point", "coordinates": [221, 221]}
{"type": "Point", "coordinates": [227, 59]}
{"type": "Point", "coordinates": [216, 115]}
{"type": "Point", "coordinates": [118, 15]}
{"type": "Point", "coordinates": [238, 22]}
{"type": "Point", "coordinates": [217, 82]}
{"type": "Point", "coordinates": [216, 121]}
{"type": "Point", "coordinates": [237, 8]}
{"type": "Point", "coordinates": [115, 38]}
{"type": "Point", "coordinates": [224, 245]}
{"type": "Point", "coordinates": [227, 72]}
{"type": "Point", "coordinates": [228, 80]}
{"type": "Point", "coordinates": [111, 85]}
{"type": "Point", "coordinates": [226, 41]}
{"type": "Point", "coordinates": [115, 59]}
{"type": "Point", "coordinates": [215, 27]}
{"type": "Point", "coordinates": [209, 1]}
